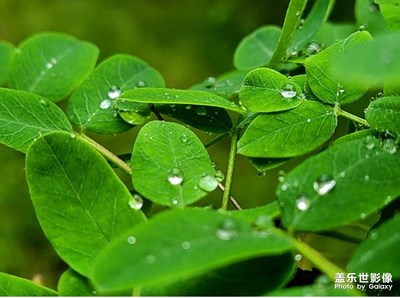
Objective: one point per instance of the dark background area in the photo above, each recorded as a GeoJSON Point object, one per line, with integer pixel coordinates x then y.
{"type": "Point", "coordinates": [186, 41]}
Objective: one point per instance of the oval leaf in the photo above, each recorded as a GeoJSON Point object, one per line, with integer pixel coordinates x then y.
{"type": "Point", "coordinates": [266, 90]}
{"type": "Point", "coordinates": [168, 163]}
{"type": "Point", "coordinates": [288, 134]}
{"type": "Point", "coordinates": [384, 114]}
{"type": "Point", "coordinates": [52, 64]}
{"type": "Point", "coordinates": [379, 252]}
{"type": "Point", "coordinates": [325, 83]}
{"type": "Point", "coordinates": [339, 185]}
{"type": "Point", "coordinates": [15, 286]}
{"type": "Point", "coordinates": [80, 202]}
{"type": "Point", "coordinates": [25, 116]}
{"type": "Point", "coordinates": [6, 54]}
{"type": "Point", "coordinates": [92, 105]}
{"type": "Point", "coordinates": [174, 245]}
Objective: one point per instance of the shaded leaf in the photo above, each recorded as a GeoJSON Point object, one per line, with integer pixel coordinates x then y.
{"type": "Point", "coordinates": [330, 33]}
{"type": "Point", "coordinates": [25, 116]}
{"type": "Point", "coordinates": [390, 10]}
{"type": "Point", "coordinates": [288, 134]}
{"type": "Point", "coordinates": [266, 90]}
{"type": "Point", "coordinates": [72, 283]}
{"type": "Point", "coordinates": [15, 286]}
{"type": "Point", "coordinates": [174, 246]}
{"type": "Point", "coordinates": [339, 185]}
{"type": "Point", "coordinates": [6, 53]}
{"type": "Point", "coordinates": [52, 64]}
{"type": "Point", "coordinates": [257, 48]}
{"type": "Point", "coordinates": [80, 202]}
{"type": "Point", "coordinates": [325, 83]}
{"type": "Point", "coordinates": [264, 164]}
{"type": "Point", "coordinates": [384, 114]}
{"type": "Point", "coordinates": [368, 16]}
{"type": "Point", "coordinates": [168, 162]}
{"type": "Point", "coordinates": [91, 106]}
{"type": "Point", "coordinates": [258, 214]}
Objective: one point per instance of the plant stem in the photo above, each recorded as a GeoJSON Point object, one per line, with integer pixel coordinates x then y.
{"type": "Point", "coordinates": [292, 18]}
{"type": "Point", "coordinates": [107, 154]}
{"type": "Point", "coordinates": [232, 199]}
{"type": "Point", "coordinates": [352, 117]}
{"type": "Point", "coordinates": [229, 172]}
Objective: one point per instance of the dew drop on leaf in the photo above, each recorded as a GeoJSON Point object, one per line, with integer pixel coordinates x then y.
{"type": "Point", "coordinates": [219, 175]}
{"type": "Point", "coordinates": [43, 102]}
{"type": "Point", "coordinates": [208, 183]}
{"type": "Point", "coordinates": [308, 120]}
{"type": "Point", "coordinates": [312, 49]}
{"type": "Point", "coordinates": [200, 110]}
{"type": "Point", "coordinates": [105, 104]}
{"type": "Point", "coordinates": [366, 177]}
{"type": "Point", "coordinates": [72, 135]}
{"type": "Point", "coordinates": [363, 215]}
{"type": "Point", "coordinates": [175, 176]}
{"type": "Point", "coordinates": [288, 91]}
{"type": "Point", "coordinates": [186, 245]}
{"type": "Point", "coordinates": [136, 202]}
{"type": "Point", "coordinates": [369, 143]}
{"type": "Point", "coordinates": [150, 259]}
{"type": "Point", "coordinates": [389, 145]}
{"type": "Point", "coordinates": [175, 202]}
{"type": "Point", "coordinates": [131, 240]}
{"type": "Point", "coordinates": [210, 82]}
{"type": "Point", "coordinates": [141, 84]}
{"type": "Point", "coordinates": [303, 203]}
{"type": "Point", "coordinates": [298, 257]}
{"type": "Point", "coordinates": [281, 176]}
{"type": "Point", "coordinates": [324, 184]}
{"type": "Point", "coordinates": [227, 230]}
{"type": "Point", "coordinates": [114, 92]}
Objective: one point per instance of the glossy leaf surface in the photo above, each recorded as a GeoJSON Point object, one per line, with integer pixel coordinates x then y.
{"type": "Point", "coordinates": [15, 286]}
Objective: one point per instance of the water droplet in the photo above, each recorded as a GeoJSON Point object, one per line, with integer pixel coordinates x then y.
{"type": "Point", "coordinates": [114, 92]}
{"type": "Point", "coordinates": [150, 259]}
{"type": "Point", "coordinates": [363, 215]}
{"type": "Point", "coordinates": [324, 184]}
{"type": "Point", "coordinates": [105, 104]}
{"type": "Point", "coordinates": [175, 176]}
{"type": "Point", "coordinates": [366, 177]}
{"type": "Point", "coordinates": [298, 257]}
{"type": "Point", "coordinates": [312, 49]}
{"type": "Point", "coordinates": [136, 202]}
{"type": "Point", "coordinates": [369, 143]}
{"type": "Point", "coordinates": [219, 175]}
{"type": "Point", "coordinates": [288, 91]}
{"type": "Point", "coordinates": [188, 107]}
{"type": "Point", "coordinates": [388, 200]}
{"type": "Point", "coordinates": [362, 28]}
{"type": "Point", "coordinates": [53, 60]}
{"type": "Point", "coordinates": [281, 176]}
{"type": "Point", "coordinates": [301, 23]}
{"type": "Point", "coordinates": [210, 82]}
{"type": "Point", "coordinates": [186, 245]}
{"type": "Point", "coordinates": [227, 230]}
{"type": "Point", "coordinates": [43, 102]}
{"type": "Point", "coordinates": [72, 135]}
{"type": "Point", "coordinates": [308, 120]}
{"type": "Point", "coordinates": [373, 236]}
{"type": "Point", "coordinates": [389, 145]}
{"type": "Point", "coordinates": [342, 174]}
{"type": "Point", "coordinates": [184, 138]}
{"type": "Point", "coordinates": [284, 187]}
{"type": "Point", "coordinates": [175, 202]}
{"type": "Point", "coordinates": [49, 65]}
{"type": "Point", "coordinates": [263, 221]}
{"type": "Point", "coordinates": [131, 240]}
{"type": "Point", "coordinates": [141, 84]}
{"type": "Point", "coordinates": [200, 110]}
{"type": "Point", "coordinates": [208, 183]}
{"type": "Point", "coordinates": [302, 203]}
{"type": "Point", "coordinates": [298, 13]}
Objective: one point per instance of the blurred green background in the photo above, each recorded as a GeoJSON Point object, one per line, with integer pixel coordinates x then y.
{"type": "Point", "coordinates": [186, 41]}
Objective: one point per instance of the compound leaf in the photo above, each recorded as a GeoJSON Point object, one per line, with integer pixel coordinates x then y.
{"type": "Point", "coordinates": [52, 64]}
{"type": "Point", "coordinates": [15, 286]}
{"type": "Point", "coordinates": [344, 183]}
{"type": "Point", "coordinates": [168, 163]}
{"type": "Point", "coordinates": [288, 134]}
{"type": "Point", "coordinates": [91, 106]}
{"type": "Point", "coordinates": [266, 90]}
{"type": "Point", "coordinates": [25, 116]}
{"type": "Point", "coordinates": [80, 202]}
{"type": "Point", "coordinates": [6, 53]}
{"type": "Point", "coordinates": [175, 245]}
{"type": "Point", "coordinates": [384, 114]}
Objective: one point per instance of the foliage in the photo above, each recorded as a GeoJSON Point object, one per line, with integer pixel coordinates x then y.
{"type": "Point", "coordinates": [282, 102]}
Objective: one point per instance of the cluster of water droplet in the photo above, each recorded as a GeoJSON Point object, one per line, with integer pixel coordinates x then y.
{"type": "Point", "coordinates": [227, 230]}
{"type": "Point", "coordinates": [112, 94]}
{"type": "Point", "coordinates": [51, 63]}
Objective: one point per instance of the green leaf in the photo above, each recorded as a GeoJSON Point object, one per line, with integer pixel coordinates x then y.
{"type": "Point", "coordinates": [304, 35]}
{"type": "Point", "coordinates": [379, 252]}
{"type": "Point", "coordinates": [288, 134]}
{"type": "Point", "coordinates": [15, 286]}
{"type": "Point", "coordinates": [25, 116]}
{"type": "Point", "coordinates": [178, 244]}
{"type": "Point", "coordinates": [6, 53]}
{"type": "Point", "coordinates": [72, 283]}
{"type": "Point", "coordinates": [168, 164]}
{"type": "Point", "coordinates": [80, 202]}
{"type": "Point", "coordinates": [344, 183]}
{"type": "Point", "coordinates": [259, 214]}
{"type": "Point", "coordinates": [384, 114]}
{"type": "Point", "coordinates": [266, 90]}
{"type": "Point", "coordinates": [226, 85]}
{"type": "Point", "coordinates": [257, 48]}
{"type": "Point", "coordinates": [310, 291]}
{"type": "Point", "coordinates": [368, 16]}
{"type": "Point", "coordinates": [326, 84]}
{"type": "Point", "coordinates": [262, 165]}
{"type": "Point", "coordinates": [52, 64]}
{"type": "Point", "coordinates": [91, 106]}
{"type": "Point", "coordinates": [176, 97]}
{"type": "Point", "coordinates": [330, 33]}
{"type": "Point", "coordinates": [390, 10]}
{"type": "Point", "coordinates": [301, 81]}
{"type": "Point", "coordinates": [246, 278]}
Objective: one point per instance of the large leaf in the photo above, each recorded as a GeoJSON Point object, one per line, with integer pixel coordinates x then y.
{"type": "Point", "coordinates": [257, 48]}
{"type": "Point", "coordinates": [290, 133]}
{"type": "Point", "coordinates": [170, 164]}
{"type": "Point", "coordinates": [266, 90]}
{"type": "Point", "coordinates": [80, 202]}
{"type": "Point", "coordinates": [390, 10]}
{"type": "Point", "coordinates": [91, 106]}
{"type": "Point", "coordinates": [72, 283]}
{"type": "Point", "coordinates": [15, 286]}
{"type": "Point", "coordinates": [379, 252]}
{"type": "Point", "coordinates": [180, 244]}
{"type": "Point", "coordinates": [25, 116]}
{"type": "Point", "coordinates": [6, 54]}
{"type": "Point", "coordinates": [325, 83]}
{"type": "Point", "coordinates": [384, 114]}
{"type": "Point", "coordinates": [344, 183]}
{"type": "Point", "coordinates": [52, 64]}
{"type": "Point", "coordinates": [369, 17]}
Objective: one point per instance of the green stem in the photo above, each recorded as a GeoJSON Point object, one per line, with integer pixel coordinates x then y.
{"type": "Point", "coordinates": [292, 18]}
{"type": "Point", "coordinates": [229, 172]}
{"type": "Point", "coordinates": [352, 117]}
{"type": "Point", "coordinates": [107, 154]}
